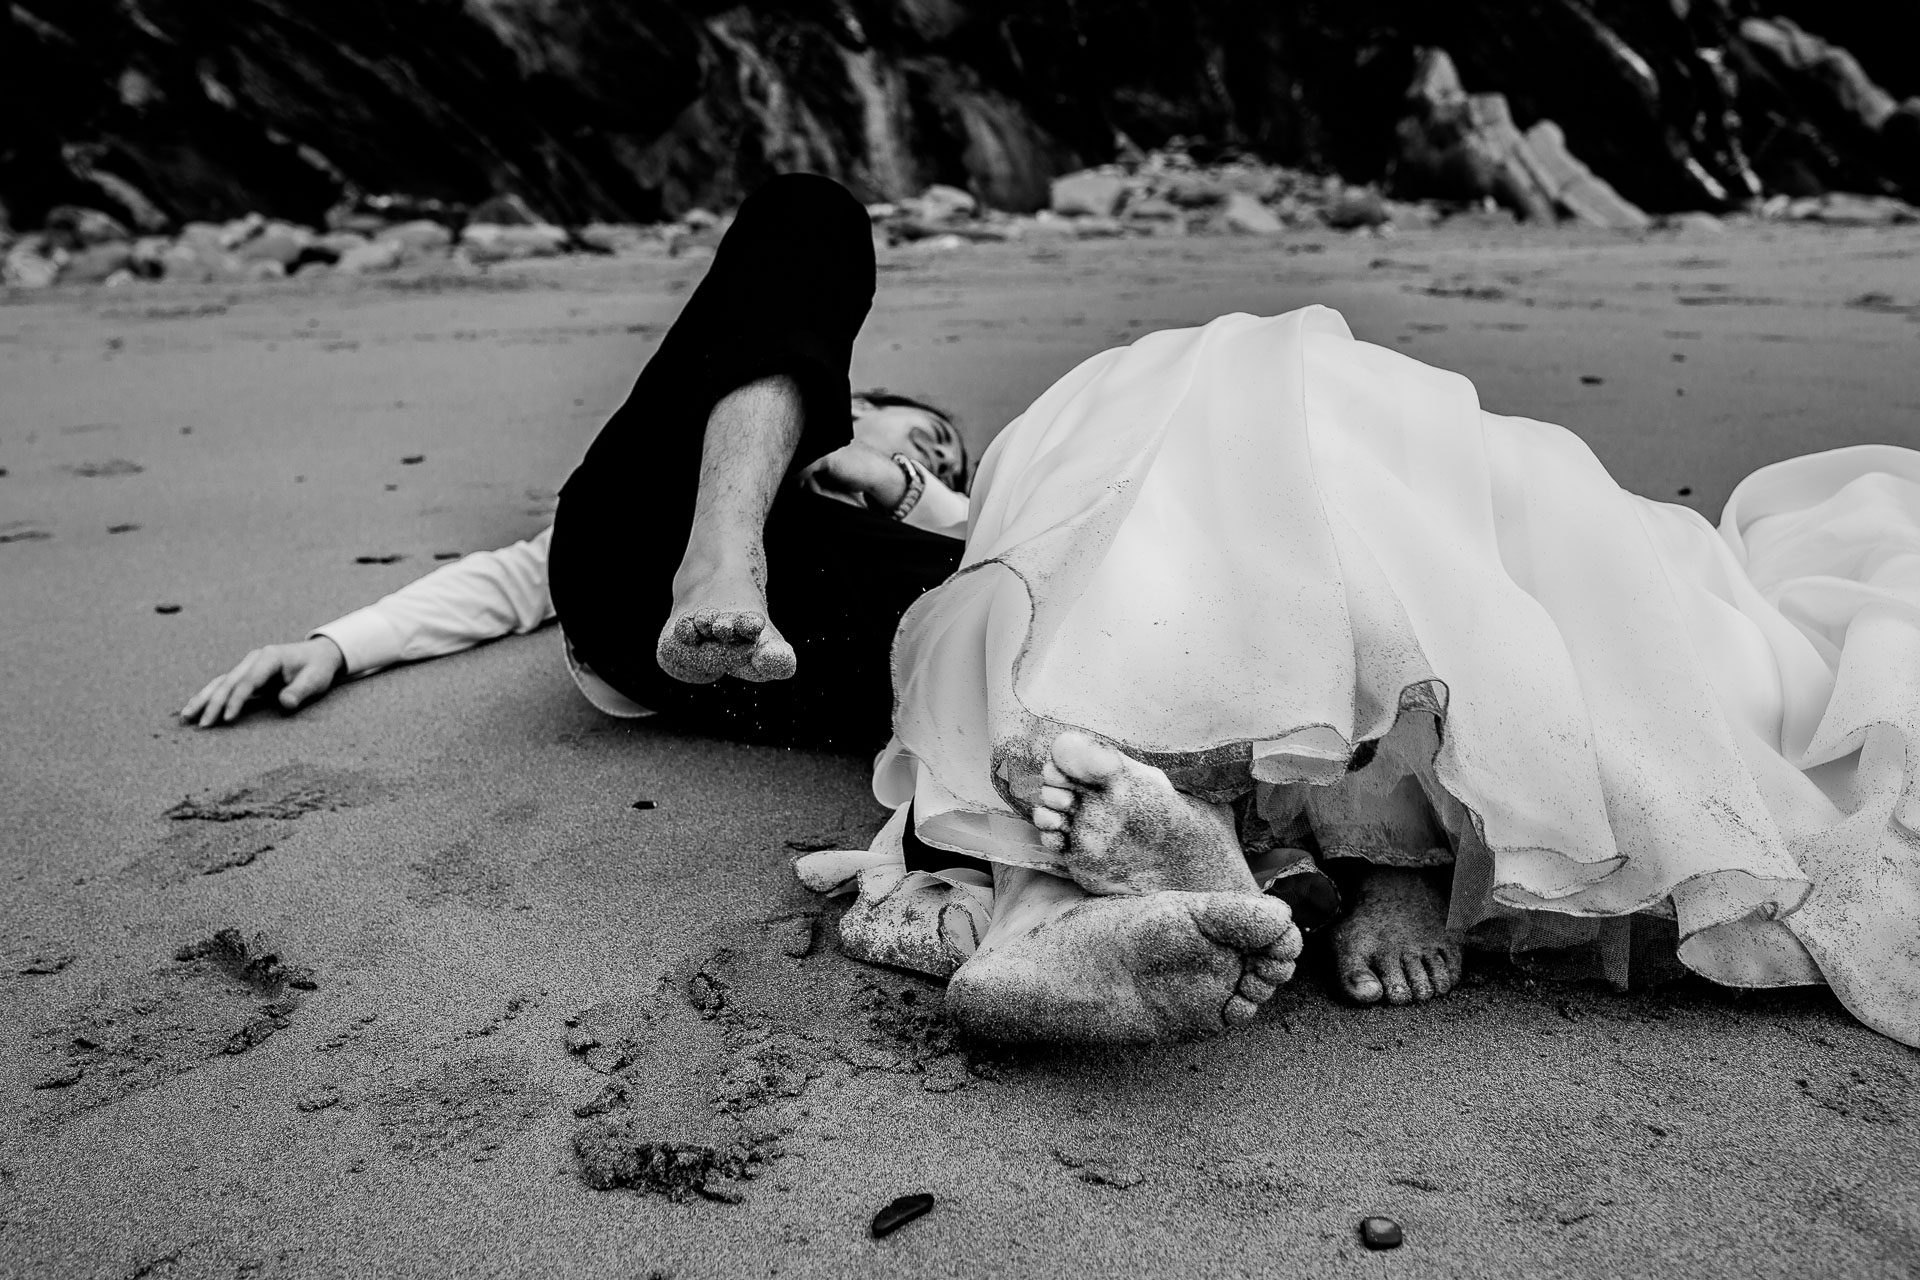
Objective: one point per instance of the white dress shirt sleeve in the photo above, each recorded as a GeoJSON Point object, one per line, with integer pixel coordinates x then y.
{"type": "Point", "coordinates": [477, 598]}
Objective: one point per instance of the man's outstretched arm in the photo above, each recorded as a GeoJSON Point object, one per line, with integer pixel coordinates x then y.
{"type": "Point", "coordinates": [481, 597]}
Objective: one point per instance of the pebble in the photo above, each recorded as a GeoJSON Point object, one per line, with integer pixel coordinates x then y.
{"type": "Point", "coordinates": [166, 608]}
{"type": "Point", "coordinates": [900, 1213]}
{"type": "Point", "coordinates": [644, 804]}
{"type": "Point", "coordinates": [1380, 1233]}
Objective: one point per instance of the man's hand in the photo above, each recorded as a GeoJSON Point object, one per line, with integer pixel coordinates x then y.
{"type": "Point", "coordinates": [304, 671]}
{"type": "Point", "coordinates": [860, 474]}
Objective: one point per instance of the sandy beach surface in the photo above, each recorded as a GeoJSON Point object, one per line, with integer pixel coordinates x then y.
{"type": "Point", "coordinates": [383, 988]}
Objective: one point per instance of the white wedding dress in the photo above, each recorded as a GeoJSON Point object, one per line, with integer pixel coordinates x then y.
{"type": "Point", "coordinates": [1243, 550]}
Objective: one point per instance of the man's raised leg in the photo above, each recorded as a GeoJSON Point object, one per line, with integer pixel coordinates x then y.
{"type": "Point", "coordinates": [719, 624]}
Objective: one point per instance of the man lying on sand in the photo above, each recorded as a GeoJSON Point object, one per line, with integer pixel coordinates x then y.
{"type": "Point", "coordinates": [731, 488]}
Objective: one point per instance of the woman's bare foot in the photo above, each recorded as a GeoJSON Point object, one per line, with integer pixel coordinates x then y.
{"type": "Point", "coordinates": [1396, 943]}
{"type": "Point", "coordinates": [720, 628]}
{"type": "Point", "coordinates": [1059, 965]}
{"type": "Point", "coordinates": [1123, 829]}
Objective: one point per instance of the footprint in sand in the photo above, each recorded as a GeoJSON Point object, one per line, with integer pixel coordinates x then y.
{"type": "Point", "coordinates": [219, 996]}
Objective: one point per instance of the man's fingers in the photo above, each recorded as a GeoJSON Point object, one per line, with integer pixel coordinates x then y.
{"type": "Point", "coordinates": [306, 682]}
{"type": "Point", "coordinates": [216, 700]}
{"type": "Point", "coordinates": [262, 667]}
{"type": "Point", "coordinates": [198, 702]}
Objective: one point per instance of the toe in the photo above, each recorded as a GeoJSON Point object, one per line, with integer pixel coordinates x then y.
{"type": "Point", "coordinates": [1051, 775]}
{"type": "Point", "coordinates": [1254, 988]}
{"type": "Point", "coordinates": [686, 629]}
{"type": "Point", "coordinates": [1243, 922]}
{"type": "Point", "coordinates": [1084, 760]}
{"type": "Point", "coordinates": [748, 626]}
{"type": "Point", "coordinates": [1271, 969]}
{"type": "Point", "coordinates": [1053, 841]}
{"type": "Point", "coordinates": [1395, 978]}
{"type": "Point", "coordinates": [1360, 983]}
{"type": "Point", "coordinates": [1417, 980]}
{"type": "Point", "coordinates": [1057, 798]}
{"type": "Point", "coordinates": [1238, 1009]}
{"type": "Point", "coordinates": [1444, 965]}
{"type": "Point", "coordinates": [1049, 819]}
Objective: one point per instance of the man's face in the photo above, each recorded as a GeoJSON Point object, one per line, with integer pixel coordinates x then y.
{"type": "Point", "coordinates": [926, 437]}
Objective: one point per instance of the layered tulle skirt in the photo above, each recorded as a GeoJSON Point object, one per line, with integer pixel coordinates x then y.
{"type": "Point", "coordinates": [1287, 566]}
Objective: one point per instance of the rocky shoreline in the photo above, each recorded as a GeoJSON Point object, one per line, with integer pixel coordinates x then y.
{"type": "Point", "coordinates": [1162, 194]}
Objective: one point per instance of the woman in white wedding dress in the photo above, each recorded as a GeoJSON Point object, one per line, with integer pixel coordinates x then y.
{"type": "Point", "coordinates": [1250, 602]}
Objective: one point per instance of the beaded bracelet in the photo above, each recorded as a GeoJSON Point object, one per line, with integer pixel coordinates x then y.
{"type": "Point", "coordinates": [916, 485]}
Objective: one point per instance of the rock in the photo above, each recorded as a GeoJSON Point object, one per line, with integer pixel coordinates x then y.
{"type": "Point", "coordinates": [1846, 209]}
{"type": "Point", "coordinates": [374, 255]}
{"type": "Point", "coordinates": [420, 238]}
{"type": "Point", "coordinates": [1192, 190]}
{"type": "Point", "coordinates": [494, 243]}
{"type": "Point", "coordinates": [613, 237]}
{"type": "Point", "coordinates": [71, 227]}
{"type": "Point", "coordinates": [504, 211]}
{"type": "Point", "coordinates": [32, 262]}
{"type": "Point", "coordinates": [1574, 187]}
{"type": "Point", "coordinates": [941, 203]}
{"type": "Point", "coordinates": [1461, 148]}
{"type": "Point", "coordinates": [336, 243]}
{"type": "Point", "coordinates": [1152, 209]}
{"type": "Point", "coordinates": [238, 231]}
{"type": "Point", "coordinates": [1380, 1233]}
{"type": "Point", "coordinates": [699, 220]}
{"type": "Point", "coordinates": [93, 265]}
{"type": "Point", "coordinates": [899, 1213]}
{"type": "Point", "coordinates": [1696, 223]}
{"type": "Point", "coordinates": [1836, 73]}
{"type": "Point", "coordinates": [1357, 207]}
{"type": "Point", "coordinates": [1098, 228]}
{"type": "Point", "coordinates": [1088, 193]}
{"type": "Point", "coordinates": [278, 242]}
{"type": "Point", "coordinates": [1248, 216]}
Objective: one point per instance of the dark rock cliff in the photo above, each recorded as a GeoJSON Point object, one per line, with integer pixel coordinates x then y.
{"type": "Point", "coordinates": [162, 110]}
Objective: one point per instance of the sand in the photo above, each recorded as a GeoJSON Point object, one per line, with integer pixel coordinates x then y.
{"type": "Point", "coordinates": [405, 985]}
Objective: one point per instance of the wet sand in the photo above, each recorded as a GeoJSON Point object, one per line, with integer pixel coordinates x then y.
{"type": "Point", "coordinates": [387, 987]}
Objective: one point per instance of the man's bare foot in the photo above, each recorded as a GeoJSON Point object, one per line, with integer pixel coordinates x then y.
{"type": "Point", "coordinates": [1396, 943]}
{"type": "Point", "coordinates": [1122, 828]}
{"type": "Point", "coordinates": [720, 628]}
{"type": "Point", "coordinates": [1104, 970]}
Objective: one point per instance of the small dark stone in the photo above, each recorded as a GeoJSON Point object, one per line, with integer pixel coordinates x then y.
{"type": "Point", "coordinates": [1380, 1233]}
{"type": "Point", "coordinates": [900, 1213]}
{"type": "Point", "coordinates": [392, 557]}
{"type": "Point", "coordinates": [644, 804]}
{"type": "Point", "coordinates": [122, 528]}
{"type": "Point", "coordinates": [1679, 357]}
{"type": "Point", "coordinates": [446, 555]}
{"type": "Point", "coordinates": [413, 459]}
{"type": "Point", "coordinates": [1686, 491]}
{"type": "Point", "coordinates": [166, 608]}
{"type": "Point", "coordinates": [1591, 379]}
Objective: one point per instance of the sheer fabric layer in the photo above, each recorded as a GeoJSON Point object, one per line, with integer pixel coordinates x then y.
{"type": "Point", "coordinates": [1240, 551]}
